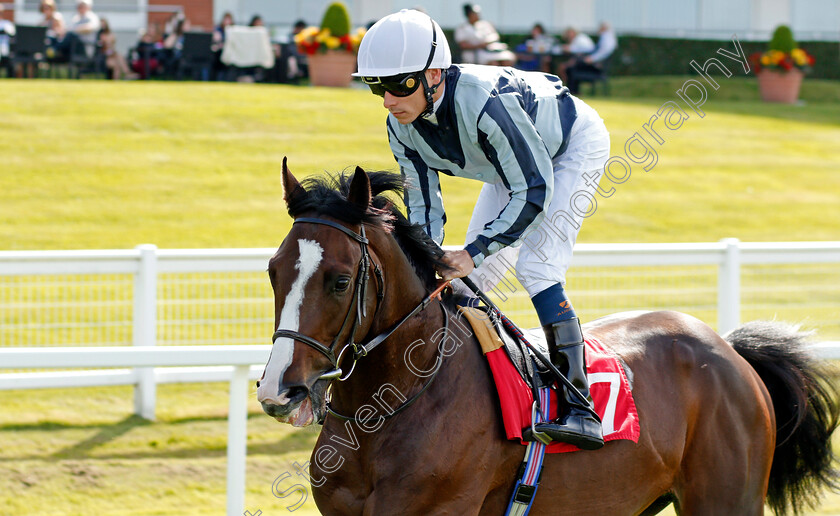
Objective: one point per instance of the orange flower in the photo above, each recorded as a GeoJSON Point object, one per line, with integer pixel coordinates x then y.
{"type": "Point", "coordinates": [778, 60]}
{"type": "Point", "coordinates": [311, 40]}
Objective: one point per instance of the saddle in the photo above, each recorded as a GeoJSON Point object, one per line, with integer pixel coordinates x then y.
{"type": "Point", "coordinates": [519, 376]}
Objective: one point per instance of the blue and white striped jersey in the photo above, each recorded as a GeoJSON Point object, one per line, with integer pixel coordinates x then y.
{"type": "Point", "coordinates": [493, 124]}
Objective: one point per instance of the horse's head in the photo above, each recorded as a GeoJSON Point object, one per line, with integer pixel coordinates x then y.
{"type": "Point", "coordinates": [325, 283]}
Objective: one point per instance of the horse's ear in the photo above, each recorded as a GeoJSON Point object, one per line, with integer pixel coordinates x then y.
{"type": "Point", "coordinates": [360, 189]}
{"type": "Point", "coordinates": [291, 186]}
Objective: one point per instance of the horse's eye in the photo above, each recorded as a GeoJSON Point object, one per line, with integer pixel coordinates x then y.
{"type": "Point", "coordinates": [342, 284]}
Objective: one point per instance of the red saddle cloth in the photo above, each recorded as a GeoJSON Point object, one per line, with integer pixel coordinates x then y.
{"type": "Point", "coordinates": [608, 387]}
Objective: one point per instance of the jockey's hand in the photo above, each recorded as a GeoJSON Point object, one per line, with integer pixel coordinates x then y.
{"type": "Point", "coordinates": [461, 264]}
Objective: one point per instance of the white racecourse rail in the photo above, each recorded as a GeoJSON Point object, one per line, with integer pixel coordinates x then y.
{"type": "Point", "coordinates": [726, 260]}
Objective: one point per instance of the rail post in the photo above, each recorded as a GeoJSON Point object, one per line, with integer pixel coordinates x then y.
{"type": "Point", "coordinates": [237, 445]}
{"type": "Point", "coordinates": [145, 328]}
{"type": "Point", "coordinates": [729, 286]}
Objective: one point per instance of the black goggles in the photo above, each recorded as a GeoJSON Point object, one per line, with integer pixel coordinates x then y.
{"type": "Point", "coordinates": [401, 85]}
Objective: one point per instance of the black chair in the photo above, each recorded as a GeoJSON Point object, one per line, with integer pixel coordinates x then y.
{"type": "Point", "coordinates": [84, 58]}
{"type": "Point", "coordinates": [596, 74]}
{"type": "Point", "coordinates": [143, 59]}
{"type": "Point", "coordinates": [288, 67]}
{"type": "Point", "coordinates": [6, 64]}
{"type": "Point", "coordinates": [196, 55]}
{"type": "Point", "coordinates": [29, 46]}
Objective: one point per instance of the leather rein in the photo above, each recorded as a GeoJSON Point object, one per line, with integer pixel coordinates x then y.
{"type": "Point", "coordinates": [359, 292]}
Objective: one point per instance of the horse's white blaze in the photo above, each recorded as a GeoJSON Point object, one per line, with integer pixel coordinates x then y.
{"type": "Point", "coordinates": [283, 349]}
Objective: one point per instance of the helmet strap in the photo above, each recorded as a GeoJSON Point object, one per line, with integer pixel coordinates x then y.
{"type": "Point", "coordinates": [429, 91]}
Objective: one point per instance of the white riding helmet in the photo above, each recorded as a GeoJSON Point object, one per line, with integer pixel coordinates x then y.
{"type": "Point", "coordinates": [403, 42]}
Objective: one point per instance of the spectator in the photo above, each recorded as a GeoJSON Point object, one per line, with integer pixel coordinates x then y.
{"type": "Point", "coordinates": [175, 39]}
{"type": "Point", "coordinates": [173, 46]}
{"type": "Point", "coordinates": [576, 44]}
{"type": "Point", "coordinates": [219, 30]}
{"type": "Point", "coordinates": [114, 61]}
{"type": "Point", "coordinates": [479, 41]}
{"type": "Point", "coordinates": [146, 57]}
{"type": "Point", "coordinates": [533, 53]}
{"type": "Point", "coordinates": [7, 30]}
{"type": "Point", "coordinates": [172, 23]}
{"type": "Point", "coordinates": [594, 61]}
{"type": "Point", "coordinates": [219, 68]}
{"type": "Point", "coordinates": [298, 65]}
{"type": "Point", "coordinates": [607, 43]}
{"type": "Point", "coordinates": [85, 24]}
{"type": "Point", "coordinates": [255, 73]}
{"type": "Point", "coordinates": [57, 49]}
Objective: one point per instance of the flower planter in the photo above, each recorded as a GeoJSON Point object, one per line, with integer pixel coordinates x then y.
{"type": "Point", "coordinates": [780, 86]}
{"type": "Point", "coordinates": [332, 68]}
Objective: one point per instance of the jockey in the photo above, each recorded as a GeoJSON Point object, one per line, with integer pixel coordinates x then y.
{"type": "Point", "coordinates": [536, 148]}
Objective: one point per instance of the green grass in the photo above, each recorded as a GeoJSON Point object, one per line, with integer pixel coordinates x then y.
{"type": "Point", "coordinates": [101, 165]}
{"type": "Point", "coordinates": [81, 452]}
{"type": "Point", "coordinates": [90, 165]}
{"type": "Point", "coordinates": [814, 91]}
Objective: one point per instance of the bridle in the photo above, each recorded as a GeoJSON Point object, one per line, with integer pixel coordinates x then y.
{"type": "Point", "coordinates": [361, 350]}
{"type": "Point", "coordinates": [359, 295]}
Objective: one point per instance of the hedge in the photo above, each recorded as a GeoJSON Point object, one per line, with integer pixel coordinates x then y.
{"type": "Point", "coordinates": [639, 55]}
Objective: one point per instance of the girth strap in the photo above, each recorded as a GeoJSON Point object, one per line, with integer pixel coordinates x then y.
{"type": "Point", "coordinates": [530, 471]}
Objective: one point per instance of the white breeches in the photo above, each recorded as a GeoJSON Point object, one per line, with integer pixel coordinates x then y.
{"type": "Point", "coordinates": [546, 252]}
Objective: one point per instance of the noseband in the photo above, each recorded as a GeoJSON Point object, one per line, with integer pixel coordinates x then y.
{"type": "Point", "coordinates": [359, 291]}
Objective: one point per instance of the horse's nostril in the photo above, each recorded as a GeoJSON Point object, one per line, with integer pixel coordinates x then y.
{"type": "Point", "coordinates": [297, 393]}
{"type": "Point", "coordinates": [258, 384]}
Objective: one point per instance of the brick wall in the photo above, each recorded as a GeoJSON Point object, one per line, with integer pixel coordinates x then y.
{"type": "Point", "coordinates": [198, 12]}
{"type": "Point", "coordinates": [9, 12]}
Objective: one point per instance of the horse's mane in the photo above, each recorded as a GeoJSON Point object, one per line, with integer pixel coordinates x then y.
{"type": "Point", "coordinates": [327, 196]}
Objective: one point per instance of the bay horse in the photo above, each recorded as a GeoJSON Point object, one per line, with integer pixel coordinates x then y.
{"type": "Point", "coordinates": [411, 422]}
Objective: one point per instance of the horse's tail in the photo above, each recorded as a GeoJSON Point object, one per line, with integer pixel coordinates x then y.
{"type": "Point", "coordinates": [807, 412]}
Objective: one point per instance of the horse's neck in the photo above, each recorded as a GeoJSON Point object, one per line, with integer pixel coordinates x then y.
{"type": "Point", "coordinates": [388, 365]}
{"type": "Point", "coordinates": [425, 354]}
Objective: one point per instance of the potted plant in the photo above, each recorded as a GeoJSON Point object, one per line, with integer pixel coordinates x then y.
{"type": "Point", "coordinates": [331, 48]}
{"type": "Point", "coordinates": [780, 69]}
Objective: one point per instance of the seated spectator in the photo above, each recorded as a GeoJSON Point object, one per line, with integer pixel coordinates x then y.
{"type": "Point", "coordinates": [298, 65]}
{"type": "Point", "coordinates": [85, 24]}
{"type": "Point", "coordinates": [576, 44]}
{"type": "Point", "coordinates": [592, 63]}
{"type": "Point", "coordinates": [479, 41]}
{"type": "Point", "coordinates": [220, 70]}
{"type": "Point", "coordinates": [255, 73]}
{"type": "Point", "coordinates": [57, 46]}
{"type": "Point", "coordinates": [607, 43]}
{"type": "Point", "coordinates": [533, 55]}
{"type": "Point", "coordinates": [146, 59]}
{"type": "Point", "coordinates": [173, 46]}
{"type": "Point", "coordinates": [172, 23]}
{"type": "Point", "coordinates": [7, 31]}
{"type": "Point", "coordinates": [114, 61]}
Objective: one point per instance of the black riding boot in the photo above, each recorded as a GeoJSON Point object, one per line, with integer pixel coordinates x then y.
{"type": "Point", "coordinates": [578, 424]}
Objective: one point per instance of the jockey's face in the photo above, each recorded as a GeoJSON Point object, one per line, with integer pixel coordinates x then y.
{"type": "Point", "coordinates": [407, 109]}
